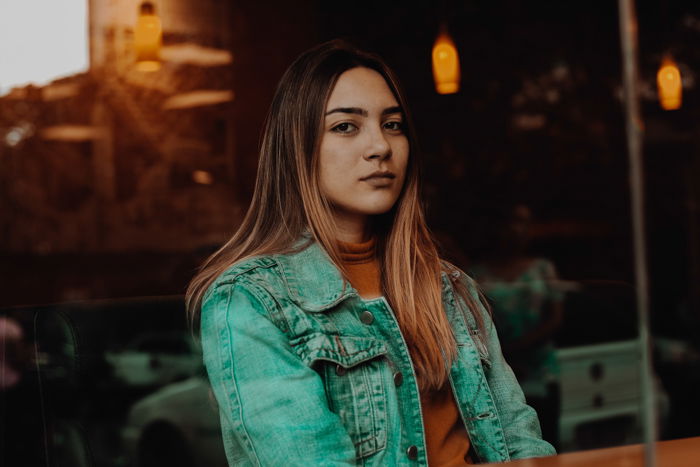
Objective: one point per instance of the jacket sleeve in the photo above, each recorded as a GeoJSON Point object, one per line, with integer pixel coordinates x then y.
{"type": "Point", "coordinates": [272, 406]}
{"type": "Point", "coordinates": [520, 423]}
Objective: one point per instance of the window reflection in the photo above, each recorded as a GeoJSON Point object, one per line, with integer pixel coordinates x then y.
{"type": "Point", "coordinates": [115, 184]}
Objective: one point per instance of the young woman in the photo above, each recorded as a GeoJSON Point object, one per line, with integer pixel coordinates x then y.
{"type": "Point", "coordinates": [332, 332]}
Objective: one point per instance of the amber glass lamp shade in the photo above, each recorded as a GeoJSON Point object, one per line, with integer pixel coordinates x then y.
{"type": "Point", "coordinates": [670, 86]}
{"type": "Point", "coordinates": [148, 37]}
{"type": "Point", "coordinates": [446, 71]}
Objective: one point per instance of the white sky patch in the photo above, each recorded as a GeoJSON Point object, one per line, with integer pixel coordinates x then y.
{"type": "Point", "coordinates": [41, 40]}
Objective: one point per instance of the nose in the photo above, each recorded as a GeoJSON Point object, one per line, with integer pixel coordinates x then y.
{"type": "Point", "coordinates": [378, 146]}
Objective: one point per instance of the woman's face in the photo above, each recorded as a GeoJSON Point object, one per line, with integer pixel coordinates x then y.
{"type": "Point", "coordinates": [363, 151]}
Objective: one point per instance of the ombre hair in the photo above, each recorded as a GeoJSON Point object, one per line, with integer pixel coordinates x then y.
{"type": "Point", "coordinates": [288, 201]}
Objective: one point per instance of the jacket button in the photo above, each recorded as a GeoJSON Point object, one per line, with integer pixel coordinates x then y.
{"type": "Point", "coordinates": [367, 317]}
{"type": "Point", "coordinates": [412, 453]}
{"type": "Point", "coordinates": [398, 378]}
{"type": "Point", "coordinates": [340, 370]}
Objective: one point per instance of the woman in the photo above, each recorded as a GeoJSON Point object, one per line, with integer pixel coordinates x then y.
{"type": "Point", "coordinates": [331, 331]}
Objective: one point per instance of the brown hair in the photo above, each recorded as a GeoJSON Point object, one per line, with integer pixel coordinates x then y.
{"type": "Point", "coordinates": [287, 201]}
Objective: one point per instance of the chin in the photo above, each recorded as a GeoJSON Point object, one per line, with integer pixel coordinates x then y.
{"type": "Point", "coordinates": [369, 207]}
{"type": "Point", "coordinates": [378, 209]}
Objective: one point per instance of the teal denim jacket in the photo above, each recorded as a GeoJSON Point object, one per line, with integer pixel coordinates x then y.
{"type": "Point", "coordinates": [306, 372]}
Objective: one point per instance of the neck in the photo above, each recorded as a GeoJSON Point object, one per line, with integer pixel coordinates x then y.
{"type": "Point", "coordinates": [352, 228]}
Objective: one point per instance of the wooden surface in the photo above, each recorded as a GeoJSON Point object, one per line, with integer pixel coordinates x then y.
{"type": "Point", "coordinates": [677, 453]}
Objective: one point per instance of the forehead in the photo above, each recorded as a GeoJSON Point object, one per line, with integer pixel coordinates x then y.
{"type": "Point", "coordinates": [361, 87]}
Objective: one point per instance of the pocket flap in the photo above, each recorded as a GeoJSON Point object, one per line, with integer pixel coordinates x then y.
{"type": "Point", "coordinates": [346, 351]}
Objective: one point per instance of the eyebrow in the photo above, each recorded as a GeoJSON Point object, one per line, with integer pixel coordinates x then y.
{"type": "Point", "coordinates": [358, 111]}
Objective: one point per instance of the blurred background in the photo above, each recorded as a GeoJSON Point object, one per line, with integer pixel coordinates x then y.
{"type": "Point", "coordinates": [129, 133]}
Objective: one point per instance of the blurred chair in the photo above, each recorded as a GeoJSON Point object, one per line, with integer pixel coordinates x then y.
{"type": "Point", "coordinates": [600, 374]}
{"type": "Point", "coordinates": [600, 383]}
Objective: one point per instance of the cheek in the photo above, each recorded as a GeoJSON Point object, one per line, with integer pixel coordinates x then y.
{"type": "Point", "coordinates": [326, 180]}
{"type": "Point", "coordinates": [334, 172]}
{"type": "Point", "coordinates": [401, 158]}
{"type": "Point", "coordinates": [330, 169]}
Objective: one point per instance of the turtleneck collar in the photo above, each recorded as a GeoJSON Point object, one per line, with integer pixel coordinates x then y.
{"type": "Point", "coordinates": [357, 253]}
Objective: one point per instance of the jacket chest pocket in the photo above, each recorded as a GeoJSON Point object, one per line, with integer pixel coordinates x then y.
{"type": "Point", "coordinates": [354, 371]}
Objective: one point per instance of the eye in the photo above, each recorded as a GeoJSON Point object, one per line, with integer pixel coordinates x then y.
{"type": "Point", "coordinates": [345, 128]}
{"type": "Point", "coordinates": [394, 126]}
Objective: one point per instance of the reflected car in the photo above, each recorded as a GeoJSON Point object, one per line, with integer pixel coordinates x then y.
{"type": "Point", "coordinates": [176, 426]}
{"type": "Point", "coordinates": [155, 360]}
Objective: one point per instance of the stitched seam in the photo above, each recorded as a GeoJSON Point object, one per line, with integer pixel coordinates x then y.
{"type": "Point", "coordinates": [240, 426]}
{"type": "Point", "coordinates": [344, 352]}
{"type": "Point", "coordinates": [340, 346]}
{"type": "Point", "coordinates": [278, 317]}
{"type": "Point", "coordinates": [498, 415]}
{"type": "Point", "coordinates": [483, 384]}
{"type": "Point", "coordinates": [372, 404]}
{"type": "Point", "coordinates": [362, 441]}
{"type": "Point", "coordinates": [230, 277]}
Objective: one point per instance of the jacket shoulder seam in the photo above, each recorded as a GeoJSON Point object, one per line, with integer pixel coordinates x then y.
{"type": "Point", "coordinates": [245, 267]}
{"type": "Point", "coordinates": [231, 275]}
{"type": "Point", "coordinates": [246, 277]}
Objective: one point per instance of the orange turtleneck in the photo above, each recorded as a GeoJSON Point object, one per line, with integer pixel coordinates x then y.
{"type": "Point", "coordinates": [362, 266]}
{"type": "Point", "coordinates": [445, 436]}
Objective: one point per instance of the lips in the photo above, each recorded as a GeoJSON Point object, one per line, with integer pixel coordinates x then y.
{"type": "Point", "coordinates": [379, 179]}
{"type": "Point", "coordinates": [379, 175]}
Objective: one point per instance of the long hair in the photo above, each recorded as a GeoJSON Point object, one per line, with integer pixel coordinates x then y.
{"type": "Point", "coordinates": [288, 201]}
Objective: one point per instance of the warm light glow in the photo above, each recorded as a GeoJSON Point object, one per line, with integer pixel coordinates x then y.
{"type": "Point", "coordinates": [41, 41]}
{"type": "Point", "coordinates": [72, 133]}
{"type": "Point", "coordinates": [445, 65]}
{"type": "Point", "coordinates": [148, 65]}
{"type": "Point", "coordinates": [202, 177]}
{"type": "Point", "coordinates": [670, 85]}
{"type": "Point", "coordinates": [148, 36]}
{"type": "Point", "coordinates": [198, 98]}
{"type": "Point", "coordinates": [195, 54]}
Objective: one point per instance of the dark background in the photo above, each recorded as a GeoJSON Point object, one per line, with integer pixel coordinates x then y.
{"type": "Point", "coordinates": [538, 120]}
{"type": "Point", "coordinates": [552, 64]}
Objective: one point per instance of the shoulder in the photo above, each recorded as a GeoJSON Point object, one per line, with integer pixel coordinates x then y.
{"type": "Point", "coordinates": [245, 296]}
{"type": "Point", "coordinates": [472, 304]}
{"type": "Point", "coordinates": [251, 267]}
{"type": "Point", "coordinates": [457, 275]}
{"type": "Point", "coordinates": [254, 276]}
{"type": "Point", "coordinates": [466, 287]}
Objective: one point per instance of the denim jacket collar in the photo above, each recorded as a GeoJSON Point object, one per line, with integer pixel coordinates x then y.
{"type": "Point", "coordinates": [315, 284]}
{"type": "Point", "coordinates": [313, 281]}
